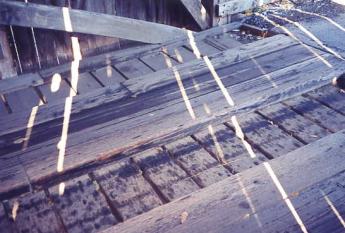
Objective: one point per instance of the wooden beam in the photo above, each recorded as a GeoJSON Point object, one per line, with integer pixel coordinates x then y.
{"type": "Point", "coordinates": [252, 201]}
{"type": "Point", "coordinates": [65, 19]}
{"type": "Point", "coordinates": [237, 6]}
{"type": "Point", "coordinates": [198, 12]}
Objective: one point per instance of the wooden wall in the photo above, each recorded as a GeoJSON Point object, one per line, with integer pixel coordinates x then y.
{"type": "Point", "coordinates": [54, 47]}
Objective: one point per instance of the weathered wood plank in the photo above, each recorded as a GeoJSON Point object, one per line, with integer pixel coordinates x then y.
{"type": "Point", "coordinates": [201, 165]}
{"type": "Point", "coordinates": [267, 136]}
{"type": "Point", "coordinates": [127, 190]}
{"type": "Point", "coordinates": [32, 212]}
{"type": "Point", "coordinates": [321, 114]}
{"type": "Point", "coordinates": [202, 48]}
{"type": "Point", "coordinates": [70, 20]}
{"type": "Point", "coordinates": [295, 124]}
{"type": "Point", "coordinates": [3, 109]}
{"type": "Point", "coordinates": [158, 61]}
{"type": "Point", "coordinates": [133, 68]}
{"type": "Point", "coordinates": [236, 6]}
{"type": "Point", "coordinates": [53, 92]}
{"type": "Point", "coordinates": [330, 96]}
{"type": "Point", "coordinates": [197, 11]}
{"type": "Point", "coordinates": [20, 82]}
{"type": "Point", "coordinates": [4, 220]}
{"type": "Point", "coordinates": [223, 41]}
{"type": "Point", "coordinates": [170, 179]}
{"type": "Point", "coordinates": [108, 76]}
{"type": "Point", "coordinates": [230, 208]}
{"type": "Point", "coordinates": [82, 207]}
{"type": "Point", "coordinates": [22, 100]}
{"type": "Point", "coordinates": [181, 54]}
{"type": "Point", "coordinates": [224, 143]}
{"type": "Point", "coordinates": [86, 83]}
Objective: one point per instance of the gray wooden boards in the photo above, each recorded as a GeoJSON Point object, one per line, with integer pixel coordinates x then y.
{"type": "Point", "coordinates": [197, 11]}
{"type": "Point", "coordinates": [236, 6]}
{"type": "Point", "coordinates": [82, 206]}
{"type": "Point", "coordinates": [257, 196]}
{"type": "Point", "coordinates": [65, 19]}
{"type": "Point", "coordinates": [54, 92]}
{"type": "Point", "coordinates": [108, 76]}
{"type": "Point", "coordinates": [20, 82]}
{"type": "Point", "coordinates": [23, 100]}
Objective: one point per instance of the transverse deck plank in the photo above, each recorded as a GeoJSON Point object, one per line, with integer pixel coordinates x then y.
{"type": "Point", "coordinates": [158, 61]}
{"type": "Point", "coordinates": [86, 83]}
{"type": "Point", "coordinates": [52, 95]}
{"type": "Point", "coordinates": [108, 76]}
{"type": "Point", "coordinates": [23, 100]}
{"type": "Point", "coordinates": [133, 68]}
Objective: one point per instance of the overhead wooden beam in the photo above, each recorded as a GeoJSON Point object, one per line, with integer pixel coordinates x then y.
{"type": "Point", "coordinates": [237, 6]}
{"type": "Point", "coordinates": [65, 19]}
{"type": "Point", "coordinates": [198, 12]}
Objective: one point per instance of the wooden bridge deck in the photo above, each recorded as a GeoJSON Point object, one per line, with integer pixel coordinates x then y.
{"type": "Point", "coordinates": [157, 135]}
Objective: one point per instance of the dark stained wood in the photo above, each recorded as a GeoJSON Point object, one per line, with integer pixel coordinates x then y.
{"type": "Point", "coordinates": [34, 214]}
{"type": "Point", "coordinates": [158, 61]}
{"type": "Point", "coordinates": [4, 220]}
{"type": "Point", "coordinates": [201, 165]}
{"type": "Point", "coordinates": [229, 147]}
{"type": "Point", "coordinates": [3, 109]}
{"type": "Point", "coordinates": [321, 114]}
{"type": "Point", "coordinates": [108, 76]}
{"type": "Point", "coordinates": [127, 190]}
{"type": "Point", "coordinates": [86, 83]}
{"type": "Point", "coordinates": [51, 96]}
{"type": "Point", "coordinates": [22, 100]}
{"type": "Point", "coordinates": [295, 124]}
{"type": "Point", "coordinates": [267, 136]}
{"type": "Point", "coordinates": [82, 206]}
{"type": "Point", "coordinates": [237, 203]}
{"type": "Point", "coordinates": [133, 68]}
{"type": "Point", "coordinates": [171, 180]}
{"type": "Point", "coordinates": [70, 20]}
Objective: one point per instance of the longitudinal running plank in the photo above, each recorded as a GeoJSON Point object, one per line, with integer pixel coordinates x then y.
{"type": "Point", "coordinates": [296, 124]}
{"type": "Point", "coordinates": [223, 142]}
{"type": "Point", "coordinates": [5, 224]}
{"type": "Point", "coordinates": [197, 161]}
{"type": "Point", "coordinates": [181, 54]}
{"type": "Point", "coordinates": [203, 48]}
{"type": "Point", "coordinates": [23, 100]}
{"type": "Point", "coordinates": [86, 83]}
{"type": "Point", "coordinates": [253, 198]}
{"type": "Point", "coordinates": [159, 61]}
{"type": "Point", "coordinates": [323, 115]}
{"type": "Point", "coordinates": [127, 189]}
{"type": "Point", "coordinates": [171, 180]}
{"type": "Point", "coordinates": [133, 68]}
{"type": "Point", "coordinates": [267, 136]}
{"type": "Point", "coordinates": [32, 212]}
{"type": "Point", "coordinates": [53, 92]}
{"type": "Point", "coordinates": [108, 76]}
{"type": "Point", "coordinates": [82, 206]}
{"type": "Point", "coordinates": [21, 82]}
{"type": "Point", "coordinates": [330, 96]}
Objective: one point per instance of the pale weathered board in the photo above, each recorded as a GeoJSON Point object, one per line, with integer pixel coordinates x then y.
{"type": "Point", "coordinates": [70, 20]}
{"type": "Point", "coordinates": [34, 214]}
{"type": "Point", "coordinates": [321, 114]}
{"type": "Point", "coordinates": [158, 61]}
{"type": "Point", "coordinates": [267, 136]}
{"type": "Point", "coordinates": [231, 148]}
{"type": "Point", "coordinates": [108, 76]}
{"type": "Point", "coordinates": [205, 169]}
{"type": "Point", "coordinates": [129, 193]}
{"type": "Point", "coordinates": [82, 206]}
{"type": "Point", "coordinates": [236, 6]}
{"type": "Point", "coordinates": [239, 202]}
{"type": "Point", "coordinates": [170, 179]}
{"type": "Point", "coordinates": [22, 100]}
{"type": "Point", "coordinates": [132, 69]}
{"type": "Point", "coordinates": [53, 94]}
{"type": "Point", "coordinates": [295, 124]}
{"type": "Point", "coordinates": [86, 83]}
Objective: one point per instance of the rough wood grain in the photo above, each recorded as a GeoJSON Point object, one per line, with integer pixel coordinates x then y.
{"type": "Point", "coordinates": [201, 165]}
{"type": "Point", "coordinates": [108, 76]}
{"type": "Point", "coordinates": [230, 148]}
{"type": "Point", "coordinates": [321, 114]}
{"type": "Point", "coordinates": [22, 100]}
{"type": "Point", "coordinates": [236, 6]}
{"type": "Point", "coordinates": [127, 189]}
{"type": "Point", "coordinates": [295, 124]}
{"type": "Point", "coordinates": [82, 207]}
{"type": "Point", "coordinates": [170, 179]}
{"type": "Point", "coordinates": [34, 214]}
{"type": "Point", "coordinates": [226, 201]}
{"type": "Point", "coordinates": [70, 20]}
{"type": "Point", "coordinates": [267, 136]}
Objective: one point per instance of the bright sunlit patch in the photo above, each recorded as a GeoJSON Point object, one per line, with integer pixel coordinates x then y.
{"type": "Point", "coordinates": [240, 135]}
{"type": "Point", "coordinates": [285, 196]}
{"type": "Point", "coordinates": [340, 2]}
{"type": "Point", "coordinates": [167, 59]}
{"type": "Point", "coordinates": [334, 209]}
{"type": "Point", "coordinates": [219, 81]}
{"type": "Point", "coordinates": [109, 71]}
{"type": "Point", "coordinates": [56, 82]}
{"type": "Point", "coordinates": [220, 153]}
{"type": "Point", "coordinates": [62, 187]}
{"type": "Point", "coordinates": [15, 209]}
{"type": "Point", "coordinates": [203, 13]}
{"type": "Point", "coordinates": [67, 19]}
{"type": "Point", "coordinates": [193, 44]}
{"type": "Point", "coordinates": [207, 109]}
{"type": "Point", "coordinates": [178, 56]}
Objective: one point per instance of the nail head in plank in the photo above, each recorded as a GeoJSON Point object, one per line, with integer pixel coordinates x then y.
{"type": "Point", "coordinates": [108, 76]}
{"type": "Point", "coordinates": [232, 148]}
{"type": "Point", "coordinates": [127, 189]}
{"type": "Point", "coordinates": [22, 100]}
{"type": "Point", "coordinates": [34, 213]}
{"type": "Point", "coordinates": [197, 161]}
{"type": "Point", "coordinates": [167, 175]}
{"type": "Point", "coordinates": [82, 206]}
{"type": "Point", "coordinates": [133, 68]}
